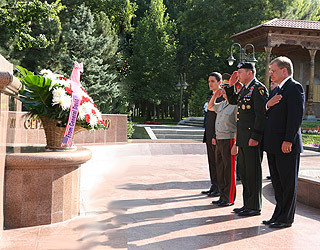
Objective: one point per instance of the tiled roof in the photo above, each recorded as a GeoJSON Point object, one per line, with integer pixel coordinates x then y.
{"type": "Point", "coordinates": [285, 23]}
{"type": "Point", "coordinates": [299, 24]}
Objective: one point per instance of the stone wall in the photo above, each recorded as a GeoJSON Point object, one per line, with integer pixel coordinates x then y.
{"type": "Point", "coordinates": [24, 131]}
{"type": "Point", "coordinates": [5, 66]}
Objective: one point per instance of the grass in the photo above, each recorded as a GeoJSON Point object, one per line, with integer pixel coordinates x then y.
{"type": "Point", "coordinates": [310, 139]}
{"type": "Point", "coordinates": [310, 124]}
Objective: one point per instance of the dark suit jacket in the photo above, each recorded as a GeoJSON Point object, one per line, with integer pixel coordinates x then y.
{"type": "Point", "coordinates": [284, 119]}
{"type": "Point", "coordinates": [210, 126]}
{"type": "Point", "coordinates": [251, 112]}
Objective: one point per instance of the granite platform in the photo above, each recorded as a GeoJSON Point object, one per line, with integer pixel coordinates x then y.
{"type": "Point", "coordinates": [147, 196]}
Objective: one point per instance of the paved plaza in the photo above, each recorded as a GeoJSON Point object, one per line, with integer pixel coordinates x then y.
{"type": "Point", "coordinates": [147, 196]}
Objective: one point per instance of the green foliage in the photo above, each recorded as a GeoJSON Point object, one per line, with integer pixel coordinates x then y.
{"type": "Point", "coordinates": [130, 129]}
{"type": "Point", "coordinates": [152, 64]}
{"type": "Point", "coordinates": [36, 96]}
{"type": "Point", "coordinates": [303, 10]}
{"type": "Point", "coordinates": [310, 139]}
{"type": "Point", "coordinates": [29, 23]}
{"type": "Point", "coordinates": [311, 124]}
{"type": "Point", "coordinates": [198, 98]}
{"type": "Point", "coordinates": [82, 41]}
{"type": "Point", "coordinates": [119, 12]}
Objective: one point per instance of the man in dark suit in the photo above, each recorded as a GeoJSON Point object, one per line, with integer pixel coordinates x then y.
{"type": "Point", "coordinates": [250, 125]}
{"type": "Point", "coordinates": [214, 81]}
{"type": "Point", "coordinates": [283, 141]}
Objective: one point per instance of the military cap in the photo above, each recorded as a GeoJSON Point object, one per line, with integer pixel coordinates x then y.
{"type": "Point", "coordinates": [246, 65]}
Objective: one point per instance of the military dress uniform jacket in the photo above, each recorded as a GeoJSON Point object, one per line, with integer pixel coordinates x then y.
{"type": "Point", "coordinates": [251, 118]}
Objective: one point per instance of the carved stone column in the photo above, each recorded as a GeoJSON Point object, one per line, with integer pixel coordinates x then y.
{"type": "Point", "coordinates": [309, 112]}
{"type": "Point", "coordinates": [266, 78]}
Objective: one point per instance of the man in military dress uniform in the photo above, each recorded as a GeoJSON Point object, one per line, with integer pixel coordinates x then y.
{"type": "Point", "coordinates": [250, 126]}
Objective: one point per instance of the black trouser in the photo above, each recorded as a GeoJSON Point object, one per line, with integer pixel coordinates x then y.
{"type": "Point", "coordinates": [226, 170]}
{"type": "Point", "coordinates": [284, 170]}
{"type": "Point", "coordinates": [249, 164]}
{"type": "Point", "coordinates": [212, 166]}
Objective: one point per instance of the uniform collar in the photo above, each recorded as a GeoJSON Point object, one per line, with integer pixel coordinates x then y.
{"type": "Point", "coordinates": [247, 86]}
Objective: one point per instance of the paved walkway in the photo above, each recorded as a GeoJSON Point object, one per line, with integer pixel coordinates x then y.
{"type": "Point", "coordinates": [147, 196]}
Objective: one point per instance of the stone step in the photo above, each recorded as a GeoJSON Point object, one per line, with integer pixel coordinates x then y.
{"type": "Point", "coordinates": [180, 136]}
{"type": "Point", "coordinates": [177, 131]}
{"type": "Point", "coordinates": [192, 121]}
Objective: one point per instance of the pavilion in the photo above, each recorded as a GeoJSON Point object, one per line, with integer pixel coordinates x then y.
{"type": "Point", "coordinates": [297, 39]}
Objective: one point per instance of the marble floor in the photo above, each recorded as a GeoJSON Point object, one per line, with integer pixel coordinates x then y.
{"type": "Point", "coordinates": [147, 196]}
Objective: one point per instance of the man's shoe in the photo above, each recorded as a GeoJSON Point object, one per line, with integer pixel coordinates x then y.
{"type": "Point", "coordinates": [217, 202]}
{"type": "Point", "coordinates": [249, 212]}
{"type": "Point", "coordinates": [238, 210]}
{"type": "Point", "coordinates": [206, 192]}
{"type": "Point", "coordinates": [225, 204]}
{"type": "Point", "coordinates": [280, 225]}
{"type": "Point", "coordinates": [214, 194]}
{"type": "Point", "coordinates": [268, 222]}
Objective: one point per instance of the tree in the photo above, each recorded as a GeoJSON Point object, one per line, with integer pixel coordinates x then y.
{"type": "Point", "coordinates": [152, 73]}
{"type": "Point", "coordinates": [25, 23]}
{"type": "Point", "coordinates": [97, 49]}
{"type": "Point", "coordinates": [303, 10]}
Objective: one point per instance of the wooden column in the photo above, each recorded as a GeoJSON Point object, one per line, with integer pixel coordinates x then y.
{"type": "Point", "coordinates": [311, 82]}
{"type": "Point", "coordinates": [266, 77]}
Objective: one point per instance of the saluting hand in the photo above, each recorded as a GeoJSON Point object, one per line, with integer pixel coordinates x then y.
{"type": "Point", "coordinates": [217, 93]}
{"type": "Point", "coordinates": [233, 79]}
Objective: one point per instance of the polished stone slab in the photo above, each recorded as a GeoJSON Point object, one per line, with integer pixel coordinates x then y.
{"type": "Point", "coordinates": [151, 200]}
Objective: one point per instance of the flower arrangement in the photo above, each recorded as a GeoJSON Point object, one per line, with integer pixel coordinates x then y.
{"type": "Point", "coordinates": [49, 95]}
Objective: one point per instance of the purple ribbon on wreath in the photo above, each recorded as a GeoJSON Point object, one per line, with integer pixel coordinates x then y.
{"type": "Point", "coordinates": [75, 103]}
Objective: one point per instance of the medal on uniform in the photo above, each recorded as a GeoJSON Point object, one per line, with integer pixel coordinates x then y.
{"type": "Point", "coordinates": [243, 106]}
{"type": "Point", "coordinates": [248, 107]}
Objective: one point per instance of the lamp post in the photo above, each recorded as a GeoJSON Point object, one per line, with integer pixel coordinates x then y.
{"type": "Point", "coordinates": [181, 85]}
{"type": "Point", "coordinates": [242, 54]}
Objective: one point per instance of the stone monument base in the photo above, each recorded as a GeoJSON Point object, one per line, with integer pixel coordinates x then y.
{"type": "Point", "coordinates": [42, 187]}
{"type": "Point", "coordinates": [308, 191]}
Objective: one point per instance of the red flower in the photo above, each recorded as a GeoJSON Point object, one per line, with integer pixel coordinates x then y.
{"type": "Point", "coordinates": [69, 91]}
{"type": "Point", "coordinates": [87, 118]}
{"type": "Point", "coordinates": [102, 122]}
{"type": "Point", "coordinates": [93, 112]}
{"type": "Point", "coordinates": [84, 99]}
{"type": "Point", "coordinates": [62, 78]}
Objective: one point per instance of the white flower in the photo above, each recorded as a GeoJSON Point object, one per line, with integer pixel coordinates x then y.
{"type": "Point", "coordinates": [60, 97]}
{"type": "Point", "coordinates": [84, 109]}
{"type": "Point", "coordinates": [64, 101]}
{"type": "Point", "coordinates": [57, 93]}
{"type": "Point", "coordinates": [46, 72]}
{"type": "Point", "coordinates": [93, 120]}
{"type": "Point", "coordinates": [81, 113]}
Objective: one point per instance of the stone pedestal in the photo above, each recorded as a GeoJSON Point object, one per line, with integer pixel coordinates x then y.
{"type": "Point", "coordinates": [5, 66]}
{"type": "Point", "coordinates": [308, 190]}
{"type": "Point", "coordinates": [43, 187]}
